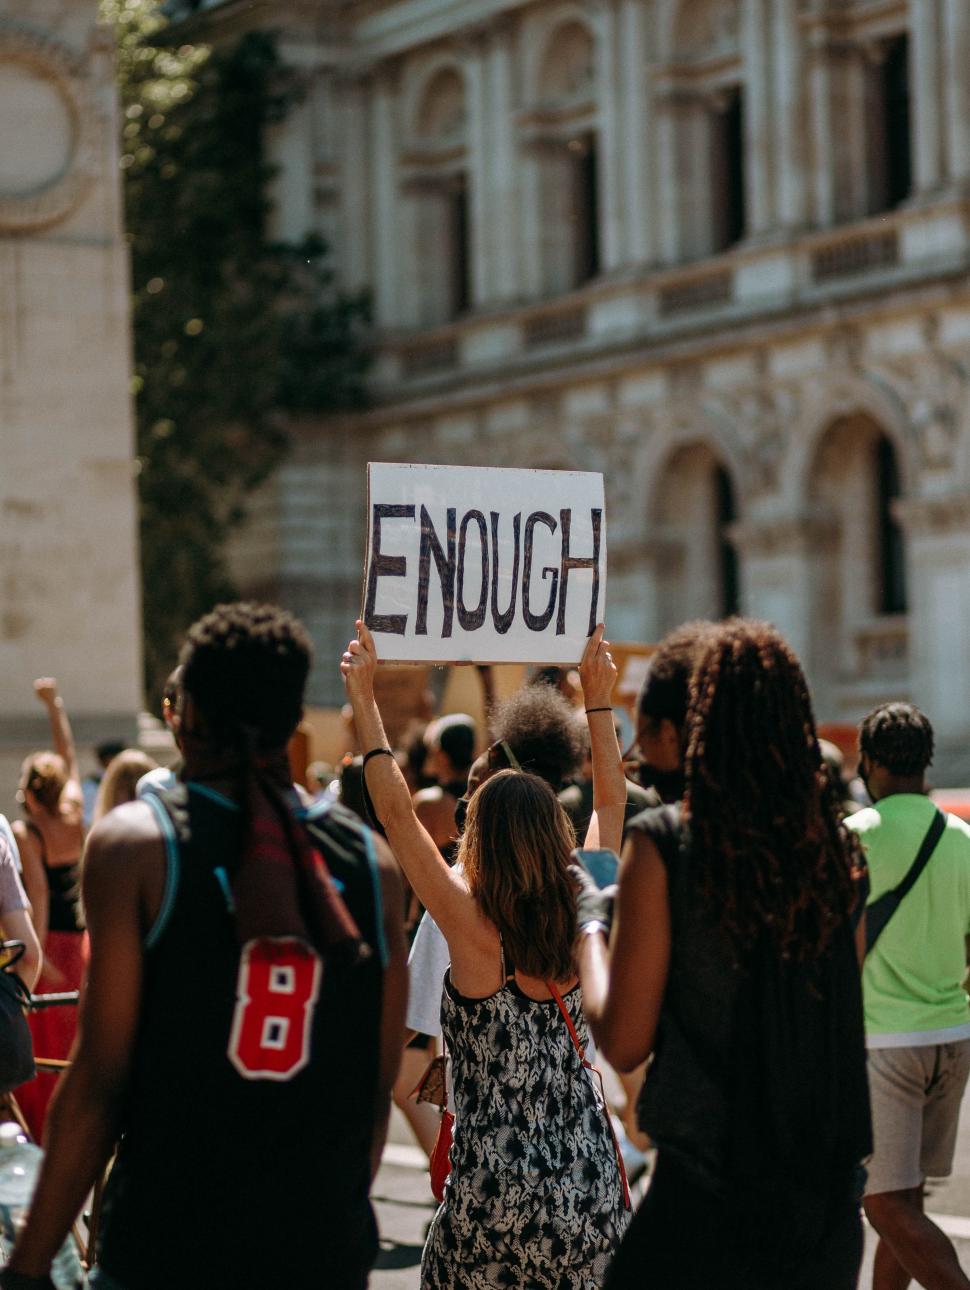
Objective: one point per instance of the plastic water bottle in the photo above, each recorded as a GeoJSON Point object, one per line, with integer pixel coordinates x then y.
{"type": "Point", "coordinates": [19, 1166]}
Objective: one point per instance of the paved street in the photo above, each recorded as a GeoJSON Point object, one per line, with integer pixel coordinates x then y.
{"type": "Point", "coordinates": [405, 1206]}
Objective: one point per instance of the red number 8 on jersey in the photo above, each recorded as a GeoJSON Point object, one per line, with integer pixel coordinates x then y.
{"type": "Point", "coordinates": [276, 991]}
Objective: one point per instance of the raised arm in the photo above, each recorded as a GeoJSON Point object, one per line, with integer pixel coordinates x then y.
{"type": "Point", "coordinates": [597, 673]}
{"type": "Point", "coordinates": [439, 888]}
{"type": "Point", "coordinates": [45, 688]}
{"type": "Point", "coordinates": [623, 984]}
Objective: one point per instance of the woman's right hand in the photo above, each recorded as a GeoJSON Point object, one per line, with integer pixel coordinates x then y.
{"type": "Point", "coordinates": [359, 664]}
{"type": "Point", "coordinates": [597, 671]}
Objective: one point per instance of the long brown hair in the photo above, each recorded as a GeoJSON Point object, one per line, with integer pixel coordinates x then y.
{"type": "Point", "coordinates": [764, 818]}
{"type": "Point", "coordinates": [515, 852]}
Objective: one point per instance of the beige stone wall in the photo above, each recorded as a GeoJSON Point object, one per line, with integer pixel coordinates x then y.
{"type": "Point", "coordinates": [69, 595]}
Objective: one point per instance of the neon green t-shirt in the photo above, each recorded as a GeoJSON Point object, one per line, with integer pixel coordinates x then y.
{"type": "Point", "coordinates": [913, 978]}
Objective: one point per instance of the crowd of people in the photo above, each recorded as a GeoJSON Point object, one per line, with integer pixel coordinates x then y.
{"type": "Point", "coordinates": [774, 972]}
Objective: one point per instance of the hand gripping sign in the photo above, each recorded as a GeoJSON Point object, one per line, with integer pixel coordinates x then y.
{"type": "Point", "coordinates": [483, 565]}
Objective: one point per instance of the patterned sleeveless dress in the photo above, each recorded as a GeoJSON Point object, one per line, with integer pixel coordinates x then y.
{"type": "Point", "coordinates": [534, 1200]}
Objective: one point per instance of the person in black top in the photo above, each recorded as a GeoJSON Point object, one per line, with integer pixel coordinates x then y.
{"type": "Point", "coordinates": [243, 1018]}
{"type": "Point", "coordinates": [733, 960]}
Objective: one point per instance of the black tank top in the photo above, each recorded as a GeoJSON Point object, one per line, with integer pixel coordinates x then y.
{"type": "Point", "coordinates": [227, 1176]}
{"type": "Point", "coordinates": [63, 888]}
{"type": "Point", "coordinates": [759, 1060]}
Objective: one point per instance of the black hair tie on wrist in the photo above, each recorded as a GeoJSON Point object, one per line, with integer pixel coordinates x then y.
{"type": "Point", "coordinates": [376, 752]}
{"type": "Point", "coordinates": [590, 710]}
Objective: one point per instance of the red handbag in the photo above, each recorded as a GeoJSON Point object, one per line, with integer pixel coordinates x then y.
{"type": "Point", "coordinates": [440, 1164]}
{"type": "Point", "coordinates": [433, 1087]}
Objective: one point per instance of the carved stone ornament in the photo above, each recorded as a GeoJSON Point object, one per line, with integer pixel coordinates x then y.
{"type": "Point", "coordinates": [934, 391]}
{"type": "Point", "coordinates": [48, 130]}
{"type": "Point", "coordinates": [761, 416]}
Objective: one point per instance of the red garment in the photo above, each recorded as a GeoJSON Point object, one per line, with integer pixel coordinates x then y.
{"type": "Point", "coordinates": [53, 1029]}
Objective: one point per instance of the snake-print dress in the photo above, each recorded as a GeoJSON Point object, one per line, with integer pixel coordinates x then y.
{"type": "Point", "coordinates": [534, 1199]}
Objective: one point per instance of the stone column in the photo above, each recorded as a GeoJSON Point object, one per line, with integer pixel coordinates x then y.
{"type": "Point", "coordinates": [529, 223]}
{"type": "Point", "coordinates": [639, 153]}
{"type": "Point", "coordinates": [352, 251]}
{"type": "Point", "coordinates": [956, 46]}
{"type": "Point", "coordinates": [823, 173]}
{"type": "Point", "coordinates": [483, 232]}
{"type": "Point", "coordinates": [775, 558]}
{"type": "Point", "coordinates": [757, 118]}
{"type": "Point", "coordinates": [938, 565]}
{"type": "Point", "coordinates": [926, 76]}
{"type": "Point", "coordinates": [669, 180]}
{"type": "Point", "coordinates": [384, 183]}
{"type": "Point", "coordinates": [788, 105]}
{"type": "Point", "coordinates": [507, 231]}
{"type": "Point", "coordinates": [611, 164]}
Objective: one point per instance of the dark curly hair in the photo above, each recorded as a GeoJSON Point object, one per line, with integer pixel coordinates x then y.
{"type": "Point", "coordinates": [540, 727]}
{"type": "Point", "coordinates": [245, 666]}
{"type": "Point", "coordinates": [763, 817]}
{"type": "Point", "coordinates": [665, 691]}
{"type": "Point", "coordinates": [899, 737]}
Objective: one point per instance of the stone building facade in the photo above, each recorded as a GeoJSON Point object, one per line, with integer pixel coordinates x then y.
{"type": "Point", "coordinates": [69, 602]}
{"type": "Point", "coordinates": [718, 249]}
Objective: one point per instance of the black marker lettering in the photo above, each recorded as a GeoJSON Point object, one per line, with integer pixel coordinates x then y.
{"type": "Point", "coordinates": [503, 621]}
{"type": "Point", "coordinates": [575, 562]}
{"type": "Point", "coordinates": [385, 566]}
{"type": "Point", "coordinates": [445, 564]}
{"type": "Point", "coordinates": [537, 622]}
{"type": "Point", "coordinates": [472, 619]}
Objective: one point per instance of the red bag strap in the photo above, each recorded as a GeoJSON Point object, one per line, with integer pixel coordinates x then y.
{"type": "Point", "coordinates": [550, 986]}
{"type": "Point", "coordinates": [628, 1203]}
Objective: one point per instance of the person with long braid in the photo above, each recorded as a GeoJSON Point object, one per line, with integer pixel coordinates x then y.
{"type": "Point", "coordinates": [733, 960]}
{"type": "Point", "coordinates": [235, 936]}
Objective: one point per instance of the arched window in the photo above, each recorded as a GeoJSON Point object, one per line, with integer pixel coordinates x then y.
{"type": "Point", "coordinates": [563, 152]}
{"type": "Point", "coordinates": [438, 191]}
{"type": "Point", "coordinates": [698, 575]}
{"type": "Point", "coordinates": [704, 103]}
{"type": "Point", "coordinates": [858, 559]}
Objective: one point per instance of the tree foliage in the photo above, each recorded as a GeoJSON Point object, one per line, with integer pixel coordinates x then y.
{"type": "Point", "coordinates": [233, 333]}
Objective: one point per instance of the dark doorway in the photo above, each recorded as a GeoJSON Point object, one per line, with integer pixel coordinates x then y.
{"type": "Point", "coordinates": [727, 555]}
{"type": "Point", "coordinates": [892, 550]}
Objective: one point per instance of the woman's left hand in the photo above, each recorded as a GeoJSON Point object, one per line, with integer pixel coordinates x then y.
{"type": "Point", "coordinates": [597, 671]}
{"type": "Point", "coordinates": [359, 664]}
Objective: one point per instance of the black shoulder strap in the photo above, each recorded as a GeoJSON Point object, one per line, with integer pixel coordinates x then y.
{"type": "Point", "coordinates": [36, 833]}
{"type": "Point", "coordinates": [881, 911]}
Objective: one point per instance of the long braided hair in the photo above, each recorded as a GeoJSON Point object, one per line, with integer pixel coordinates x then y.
{"type": "Point", "coordinates": [764, 820]}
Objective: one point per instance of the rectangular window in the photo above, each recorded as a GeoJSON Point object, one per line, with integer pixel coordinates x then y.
{"type": "Point", "coordinates": [460, 246]}
{"type": "Point", "coordinates": [729, 218]}
{"type": "Point", "coordinates": [890, 125]}
{"type": "Point", "coordinates": [586, 242]}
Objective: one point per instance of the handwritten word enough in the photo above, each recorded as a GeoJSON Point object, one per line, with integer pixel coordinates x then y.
{"type": "Point", "coordinates": [466, 553]}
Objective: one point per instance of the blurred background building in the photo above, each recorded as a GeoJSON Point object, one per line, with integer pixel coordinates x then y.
{"type": "Point", "coordinates": [68, 540]}
{"type": "Point", "coordinates": [717, 249]}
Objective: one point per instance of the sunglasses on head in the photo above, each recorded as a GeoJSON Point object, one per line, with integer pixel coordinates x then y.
{"type": "Point", "coordinates": [501, 757]}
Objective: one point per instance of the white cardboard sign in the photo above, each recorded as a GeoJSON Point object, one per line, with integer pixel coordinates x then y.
{"type": "Point", "coordinates": [483, 565]}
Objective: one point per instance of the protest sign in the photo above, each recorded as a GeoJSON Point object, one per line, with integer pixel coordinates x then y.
{"type": "Point", "coordinates": [483, 565]}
